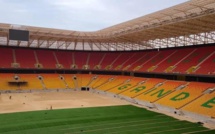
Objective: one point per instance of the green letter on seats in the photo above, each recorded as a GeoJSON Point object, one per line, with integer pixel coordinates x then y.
{"type": "Point", "coordinates": [180, 96]}
{"type": "Point", "coordinates": [160, 93]}
{"type": "Point", "coordinates": [138, 89]}
{"type": "Point", "coordinates": [124, 87]}
{"type": "Point", "coordinates": [207, 104]}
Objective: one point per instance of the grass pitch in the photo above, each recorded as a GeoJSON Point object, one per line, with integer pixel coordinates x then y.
{"type": "Point", "coordinates": [100, 120]}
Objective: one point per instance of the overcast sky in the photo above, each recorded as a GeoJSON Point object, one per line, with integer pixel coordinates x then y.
{"type": "Point", "coordinates": [79, 15]}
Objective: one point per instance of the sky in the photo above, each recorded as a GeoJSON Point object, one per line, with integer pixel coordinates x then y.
{"type": "Point", "coordinates": [78, 15]}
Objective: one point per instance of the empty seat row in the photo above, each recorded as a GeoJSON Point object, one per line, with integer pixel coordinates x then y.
{"type": "Point", "coordinates": [199, 60]}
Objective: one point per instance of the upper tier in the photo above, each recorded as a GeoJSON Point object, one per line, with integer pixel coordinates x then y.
{"type": "Point", "coordinates": [188, 60]}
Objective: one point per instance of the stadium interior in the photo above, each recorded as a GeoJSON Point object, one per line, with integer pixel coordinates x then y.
{"type": "Point", "coordinates": [163, 61]}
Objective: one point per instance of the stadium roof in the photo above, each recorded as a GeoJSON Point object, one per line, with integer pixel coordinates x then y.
{"type": "Point", "coordinates": [189, 23]}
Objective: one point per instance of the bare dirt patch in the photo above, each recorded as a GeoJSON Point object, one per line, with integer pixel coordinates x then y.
{"type": "Point", "coordinates": [56, 100]}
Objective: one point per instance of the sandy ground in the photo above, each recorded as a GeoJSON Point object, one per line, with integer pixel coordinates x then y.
{"type": "Point", "coordinates": [58, 100]}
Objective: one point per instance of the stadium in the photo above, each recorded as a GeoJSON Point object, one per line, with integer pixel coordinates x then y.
{"type": "Point", "coordinates": [154, 74]}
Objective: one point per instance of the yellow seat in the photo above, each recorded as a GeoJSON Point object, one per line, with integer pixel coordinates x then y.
{"type": "Point", "coordinates": [160, 91]}
{"type": "Point", "coordinates": [32, 81]}
{"type": "Point", "coordinates": [69, 80]}
{"type": "Point", "coordinates": [118, 80]}
{"type": "Point", "coordinates": [101, 80]}
{"type": "Point", "coordinates": [126, 86]}
{"type": "Point", "coordinates": [182, 97]}
{"type": "Point", "coordinates": [53, 81]}
{"type": "Point", "coordinates": [4, 82]}
{"type": "Point", "coordinates": [205, 105]}
{"type": "Point", "coordinates": [139, 89]}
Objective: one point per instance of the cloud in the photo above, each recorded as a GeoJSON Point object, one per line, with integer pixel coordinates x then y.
{"type": "Point", "coordinates": [79, 15]}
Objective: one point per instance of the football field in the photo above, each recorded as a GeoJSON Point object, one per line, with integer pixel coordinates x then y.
{"type": "Point", "coordinates": [125, 119]}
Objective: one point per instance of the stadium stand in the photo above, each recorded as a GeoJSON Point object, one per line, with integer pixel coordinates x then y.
{"type": "Point", "coordinates": [118, 64]}
{"type": "Point", "coordinates": [205, 105]}
{"type": "Point", "coordinates": [189, 64]}
{"type": "Point", "coordinates": [112, 83]}
{"type": "Point", "coordinates": [151, 64]}
{"type": "Point", "coordinates": [208, 63]}
{"type": "Point", "coordinates": [46, 58]}
{"type": "Point", "coordinates": [108, 59]}
{"type": "Point", "coordinates": [101, 80]}
{"type": "Point", "coordinates": [133, 61]}
{"type": "Point", "coordinates": [8, 57]}
{"type": "Point", "coordinates": [126, 85]}
{"type": "Point", "coordinates": [53, 81]}
{"type": "Point", "coordinates": [161, 91]}
{"type": "Point", "coordinates": [4, 82]}
{"type": "Point", "coordinates": [69, 80]}
{"type": "Point", "coordinates": [80, 59]}
{"type": "Point", "coordinates": [83, 79]}
{"type": "Point", "coordinates": [65, 58]}
{"type": "Point", "coordinates": [142, 61]}
{"type": "Point", "coordinates": [182, 97]}
{"type": "Point", "coordinates": [169, 64]}
{"type": "Point", "coordinates": [199, 60]}
{"type": "Point", "coordinates": [29, 61]}
{"type": "Point", "coordinates": [95, 59]}
{"type": "Point", "coordinates": [32, 80]}
{"type": "Point", "coordinates": [139, 89]}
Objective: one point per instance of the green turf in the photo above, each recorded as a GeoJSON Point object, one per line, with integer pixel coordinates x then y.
{"type": "Point", "coordinates": [114, 119]}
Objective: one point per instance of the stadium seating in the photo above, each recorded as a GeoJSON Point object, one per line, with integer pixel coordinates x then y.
{"type": "Point", "coordinates": [32, 80]}
{"type": "Point", "coordinates": [133, 61]}
{"type": "Point", "coordinates": [118, 64]}
{"type": "Point", "coordinates": [205, 105]}
{"type": "Point", "coordinates": [46, 58]}
{"type": "Point", "coordinates": [168, 64]}
{"type": "Point", "coordinates": [151, 64]}
{"type": "Point", "coordinates": [126, 85]}
{"type": "Point", "coordinates": [208, 66]}
{"type": "Point", "coordinates": [69, 80]}
{"type": "Point", "coordinates": [80, 59]}
{"type": "Point", "coordinates": [180, 98]}
{"type": "Point", "coordinates": [95, 59]}
{"type": "Point", "coordinates": [101, 80]}
{"type": "Point", "coordinates": [195, 57]}
{"type": "Point", "coordinates": [65, 58]}
{"type": "Point", "coordinates": [198, 60]}
{"type": "Point", "coordinates": [109, 58]}
{"type": "Point", "coordinates": [118, 80]}
{"type": "Point", "coordinates": [161, 91]}
{"type": "Point", "coordinates": [4, 82]}
{"type": "Point", "coordinates": [142, 61]}
{"type": "Point", "coordinates": [139, 89]}
{"type": "Point", "coordinates": [53, 81]}
{"type": "Point", "coordinates": [6, 57]}
{"type": "Point", "coordinates": [84, 79]}
{"type": "Point", "coordinates": [25, 58]}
